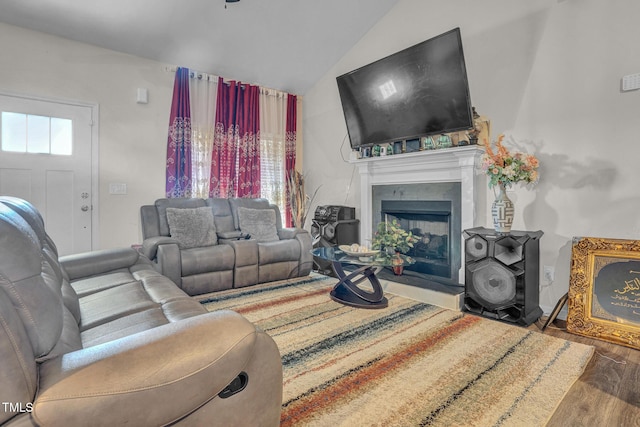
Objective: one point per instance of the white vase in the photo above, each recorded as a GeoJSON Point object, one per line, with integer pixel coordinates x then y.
{"type": "Point", "coordinates": [502, 211]}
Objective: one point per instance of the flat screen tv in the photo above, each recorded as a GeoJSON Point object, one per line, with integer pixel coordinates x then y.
{"type": "Point", "coordinates": [422, 90]}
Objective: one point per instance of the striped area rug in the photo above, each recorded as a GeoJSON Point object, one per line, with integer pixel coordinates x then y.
{"type": "Point", "coordinates": [410, 364]}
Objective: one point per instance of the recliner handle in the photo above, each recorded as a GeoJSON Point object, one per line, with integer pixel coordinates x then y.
{"type": "Point", "coordinates": [238, 384]}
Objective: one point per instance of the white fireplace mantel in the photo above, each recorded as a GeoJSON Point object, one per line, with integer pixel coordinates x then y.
{"type": "Point", "coordinates": [458, 164]}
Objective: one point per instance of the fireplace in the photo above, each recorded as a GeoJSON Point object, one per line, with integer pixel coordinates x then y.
{"type": "Point", "coordinates": [432, 176]}
{"type": "Point", "coordinates": [432, 213]}
{"type": "Point", "coordinates": [433, 222]}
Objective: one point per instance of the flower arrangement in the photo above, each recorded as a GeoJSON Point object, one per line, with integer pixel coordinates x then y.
{"type": "Point", "coordinates": [390, 234]}
{"type": "Point", "coordinates": [505, 168]}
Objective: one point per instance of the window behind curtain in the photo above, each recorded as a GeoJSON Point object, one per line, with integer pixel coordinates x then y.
{"type": "Point", "coordinates": [203, 91]}
{"type": "Point", "coordinates": [273, 117]}
{"type": "Point", "coordinates": [206, 141]}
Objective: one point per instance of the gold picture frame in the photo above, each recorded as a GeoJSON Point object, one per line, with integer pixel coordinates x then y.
{"type": "Point", "coordinates": [604, 290]}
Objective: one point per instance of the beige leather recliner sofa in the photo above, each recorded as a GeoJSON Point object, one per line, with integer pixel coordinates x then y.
{"type": "Point", "coordinates": [103, 339]}
{"type": "Point", "coordinates": [234, 242]}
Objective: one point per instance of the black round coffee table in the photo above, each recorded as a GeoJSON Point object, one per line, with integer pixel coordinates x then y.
{"type": "Point", "coordinates": [347, 290]}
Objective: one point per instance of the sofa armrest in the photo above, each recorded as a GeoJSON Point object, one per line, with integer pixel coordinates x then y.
{"type": "Point", "coordinates": [169, 262]}
{"type": "Point", "coordinates": [150, 245]}
{"type": "Point", "coordinates": [151, 378]}
{"type": "Point", "coordinates": [98, 262]}
{"type": "Point", "coordinates": [306, 257]}
{"type": "Point", "coordinates": [290, 233]}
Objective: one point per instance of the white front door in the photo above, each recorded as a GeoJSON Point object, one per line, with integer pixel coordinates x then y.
{"type": "Point", "coordinates": [45, 158]}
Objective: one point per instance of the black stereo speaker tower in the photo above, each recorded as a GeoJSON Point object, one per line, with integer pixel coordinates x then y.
{"type": "Point", "coordinates": [502, 275]}
{"type": "Point", "coordinates": [333, 226]}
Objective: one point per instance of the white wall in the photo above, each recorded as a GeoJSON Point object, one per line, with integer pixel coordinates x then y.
{"type": "Point", "coordinates": [583, 128]}
{"type": "Point", "coordinates": [132, 137]}
{"type": "Point", "coordinates": [547, 73]}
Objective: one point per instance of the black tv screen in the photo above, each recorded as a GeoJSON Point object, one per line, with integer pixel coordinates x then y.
{"type": "Point", "coordinates": [422, 90]}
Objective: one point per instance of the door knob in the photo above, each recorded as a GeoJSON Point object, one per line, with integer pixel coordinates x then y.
{"type": "Point", "coordinates": [84, 208]}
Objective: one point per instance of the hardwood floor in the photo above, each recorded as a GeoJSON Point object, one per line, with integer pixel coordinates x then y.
{"type": "Point", "coordinates": [607, 393]}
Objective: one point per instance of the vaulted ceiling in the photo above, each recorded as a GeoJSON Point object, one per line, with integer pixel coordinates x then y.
{"type": "Point", "coordinates": [282, 44]}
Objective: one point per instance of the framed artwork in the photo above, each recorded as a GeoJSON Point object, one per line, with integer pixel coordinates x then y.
{"type": "Point", "coordinates": [604, 290]}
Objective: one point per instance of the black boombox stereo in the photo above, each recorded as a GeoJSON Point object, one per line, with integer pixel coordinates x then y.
{"type": "Point", "coordinates": [502, 275]}
{"type": "Point", "coordinates": [326, 214]}
{"type": "Point", "coordinates": [335, 225]}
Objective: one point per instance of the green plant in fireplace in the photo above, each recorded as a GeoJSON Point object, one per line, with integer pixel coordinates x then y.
{"type": "Point", "coordinates": [390, 235]}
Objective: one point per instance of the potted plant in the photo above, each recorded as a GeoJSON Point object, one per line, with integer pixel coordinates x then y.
{"type": "Point", "coordinates": [391, 238]}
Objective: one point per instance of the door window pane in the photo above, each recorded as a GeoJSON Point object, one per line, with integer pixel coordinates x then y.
{"type": "Point", "coordinates": [61, 136]}
{"type": "Point", "coordinates": [14, 132]}
{"type": "Point", "coordinates": [36, 134]}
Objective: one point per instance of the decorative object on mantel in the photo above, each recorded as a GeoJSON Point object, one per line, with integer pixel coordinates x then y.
{"type": "Point", "coordinates": [505, 169]}
{"type": "Point", "coordinates": [444, 141]}
{"type": "Point", "coordinates": [481, 129]}
{"type": "Point", "coordinates": [427, 143]}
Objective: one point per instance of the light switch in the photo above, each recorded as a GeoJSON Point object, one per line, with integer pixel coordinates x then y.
{"type": "Point", "coordinates": [142, 96]}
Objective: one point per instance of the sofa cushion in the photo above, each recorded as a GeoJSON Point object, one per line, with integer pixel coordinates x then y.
{"type": "Point", "coordinates": [224, 225]}
{"type": "Point", "coordinates": [167, 304]}
{"type": "Point", "coordinates": [207, 259]}
{"type": "Point", "coordinates": [192, 227]}
{"type": "Point", "coordinates": [181, 203]}
{"type": "Point", "coordinates": [93, 284]}
{"type": "Point", "coordinates": [238, 202]}
{"type": "Point", "coordinates": [18, 371]}
{"type": "Point", "coordinates": [282, 250]}
{"type": "Point", "coordinates": [259, 223]}
{"type": "Point", "coordinates": [123, 326]}
{"type": "Point", "coordinates": [30, 285]}
{"type": "Point", "coordinates": [113, 303]}
{"type": "Point", "coordinates": [222, 215]}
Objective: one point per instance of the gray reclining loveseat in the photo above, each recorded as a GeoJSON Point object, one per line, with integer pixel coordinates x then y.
{"type": "Point", "coordinates": [103, 339]}
{"type": "Point", "coordinates": [207, 245]}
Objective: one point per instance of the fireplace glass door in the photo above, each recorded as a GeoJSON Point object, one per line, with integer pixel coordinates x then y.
{"type": "Point", "coordinates": [430, 222]}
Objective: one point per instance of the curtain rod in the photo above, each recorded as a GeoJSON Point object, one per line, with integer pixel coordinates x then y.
{"type": "Point", "coordinates": [193, 74]}
{"type": "Point", "coordinates": [213, 78]}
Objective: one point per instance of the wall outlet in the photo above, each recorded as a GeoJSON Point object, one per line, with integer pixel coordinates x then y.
{"type": "Point", "coordinates": [549, 273]}
{"type": "Point", "coordinates": [116, 188]}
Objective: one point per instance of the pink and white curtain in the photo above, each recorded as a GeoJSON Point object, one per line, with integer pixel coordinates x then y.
{"type": "Point", "coordinates": [178, 175]}
{"type": "Point", "coordinates": [249, 148]}
{"type": "Point", "coordinates": [203, 93]}
{"type": "Point", "coordinates": [235, 160]}
{"type": "Point", "coordinates": [230, 139]}
{"type": "Point", "coordinates": [290, 149]}
{"type": "Point", "coordinates": [273, 114]}
{"type": "Point", "coordinates": [278, 135]}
